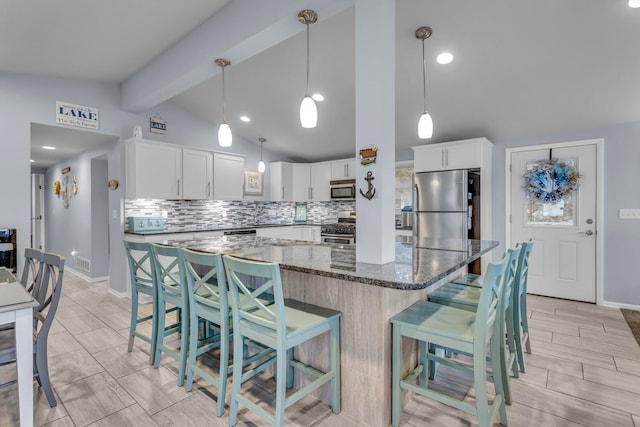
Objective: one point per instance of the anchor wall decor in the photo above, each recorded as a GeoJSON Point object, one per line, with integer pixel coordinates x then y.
{"type": "Point", "coordinates": [371, 190]}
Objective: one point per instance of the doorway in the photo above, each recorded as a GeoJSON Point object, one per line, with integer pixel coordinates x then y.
{"type": "Point", "coordinates": [37, 211]}
{"type": "Point", "coordinates": [566, 261]}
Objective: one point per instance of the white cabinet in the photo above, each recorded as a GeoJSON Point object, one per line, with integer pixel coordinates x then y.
{"type": "Point", "coordinates": [320, 178]}
{"type": "Point", "coordinates": [310, 181]}
{"type": "Point", "coordinates": [301, 182]}
{"type": "Point", "coordinates": [308, 233]}
{"type": "Point", "coordinates": [466, 154]}
{"type": "Point", "coordinates": [197, 174]}
{"type": "Point", "coordinates": [228, 176]}
{"type": "Point", "coordinates": [153, 170]}
{"type": "Point", "coordinates": [343, 169]}
{"type": "Point", "coordinates": [280, 182]}
{"type": "Point", "coordinates": [276, 232]}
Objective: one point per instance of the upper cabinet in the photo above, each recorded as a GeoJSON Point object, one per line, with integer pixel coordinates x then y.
{"type": "Point", "coordinates": [154, 170]}
{"type": "Point", "coordinates": [281, 182]}
{"type": "Point", "coordinates": [228, 176]}
{"type": "Point", "coordinates": [343, 169]}
{"type": "Point", "coordinates": [197, 174]}
{"type": "Point", "coordinates": [301, 182]}
{"type": "Point", "coordinates": [157, 170]}
{"type": "Point", "coordinates": [466, 154]}
{"type": "Point", "coordinates": [320, 178]}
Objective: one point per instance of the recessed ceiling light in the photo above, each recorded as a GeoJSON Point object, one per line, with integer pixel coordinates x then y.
{"type": "Point", "coordinates": [317, 97]}
{"type": "Point", "coordinates": [245, 119]}
{"type": "Point", "coordinates": [32, 160]}
{"type": "Point", "coordinates": [634, 3]}
{"type": "Point", "coordinates": [444, 58]}
{"type": "Point", "coordinates": [48, 147]}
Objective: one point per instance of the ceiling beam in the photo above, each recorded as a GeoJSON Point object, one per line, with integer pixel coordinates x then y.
{"type": "Point", "coordinates": [239, 31]}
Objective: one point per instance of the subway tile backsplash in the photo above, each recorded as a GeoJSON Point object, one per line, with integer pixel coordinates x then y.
{"type": "Point", "coordinates": [206, 214]}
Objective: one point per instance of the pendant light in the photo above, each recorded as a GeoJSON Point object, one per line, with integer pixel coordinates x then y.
{"type": "Point", "coordinates": [308, 109]}
{"type": "Point", "coordinates": [261, 166]}
{"type": "Point", "coordinates": [425, 124]}
{"type": "Point", "coordinates": [225, 138]}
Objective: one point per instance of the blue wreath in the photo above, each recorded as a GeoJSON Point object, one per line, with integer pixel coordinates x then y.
{"type": "Point", "coordinates": [550, 181]}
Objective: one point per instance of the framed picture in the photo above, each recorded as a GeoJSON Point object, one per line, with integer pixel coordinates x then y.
{"type": "Point", "coordinates": [252, 182]}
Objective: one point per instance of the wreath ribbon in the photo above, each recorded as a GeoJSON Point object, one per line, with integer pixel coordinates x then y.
{"type": "Point", "coordinates": [551, 181]}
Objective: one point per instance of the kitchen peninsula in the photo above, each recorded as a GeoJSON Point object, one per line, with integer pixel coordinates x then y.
{"type": "Point", "coordinates": [367, 295]}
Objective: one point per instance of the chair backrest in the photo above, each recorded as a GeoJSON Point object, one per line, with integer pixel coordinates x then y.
{"type": "Point", "coordinates": [248, 301]}
{"type": "Point", "coordinates": [490, 298]}
{"type": "Point", "coordinates": [139, 258]}
{"type": "Point", "coordinates": [205, 276]}
{"type": "Point", "coordinates": [509, 293]}
{"type": "Point", "coordinates": [168, 272]}
{"type": "Point", "coordinates": [49, 289]}
{"type": "Point", "coordinates": [32, 268]}
{"type": "Point", "coordinates": [523, 268]}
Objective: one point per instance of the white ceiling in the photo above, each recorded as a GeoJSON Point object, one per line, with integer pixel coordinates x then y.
{"type": "Point", "coordinates": [520, 68]}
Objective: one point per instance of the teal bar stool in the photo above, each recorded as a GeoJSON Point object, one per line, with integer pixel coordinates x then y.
{"type": "Point", "coordinates": [170, 288]}
{"type": "Point", "coordinates": [141, 273]}
{"type": "Point", "coordinates": [467, 298]}
{"type": "Point", "coordinates": [520, 310]}
{"type": "Point", "coordinates": [207, 300]}
{"type": "Point", "coordinates": [460, 331]}
{"type": "Point", "coordinates": [281, 326]}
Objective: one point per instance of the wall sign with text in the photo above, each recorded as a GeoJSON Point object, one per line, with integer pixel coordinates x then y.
{"type": "Point", "coordinates": [77, 115]}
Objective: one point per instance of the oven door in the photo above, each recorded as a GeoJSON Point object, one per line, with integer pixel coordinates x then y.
{"type": "Point", "coordinates": [341, 239]}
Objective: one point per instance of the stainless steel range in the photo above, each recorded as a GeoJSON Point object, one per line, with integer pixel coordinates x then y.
{"type": "Point", "coordinates": [343, 232]}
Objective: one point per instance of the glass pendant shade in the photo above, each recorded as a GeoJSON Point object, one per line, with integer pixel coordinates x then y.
{"type": "Point", "coordinates": [224, 135]}
{"type": "Point", "coordinates": [425, 126]}
{"type": "Point", "coordinates": [308, 113]}
{"type": "Point", "coordinates": [261, 166]}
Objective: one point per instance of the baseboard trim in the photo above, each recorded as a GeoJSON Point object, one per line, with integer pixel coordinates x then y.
{"type": "Point", "coordinates": [118, 294]}
{"type": "Point", "coordinates": [621, 305]}
{"type": "Point", "coordinates": [85, 277]}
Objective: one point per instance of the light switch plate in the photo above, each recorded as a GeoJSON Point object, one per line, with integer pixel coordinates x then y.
{"type": "Point", "coordinates": [629, 214]}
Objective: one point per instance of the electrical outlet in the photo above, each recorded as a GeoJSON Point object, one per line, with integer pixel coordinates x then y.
{"type": "Point", "coordinates": [629, 214]}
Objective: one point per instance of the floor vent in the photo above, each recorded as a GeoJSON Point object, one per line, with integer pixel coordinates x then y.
{"type": "Point", "coordinates": [83, 264]}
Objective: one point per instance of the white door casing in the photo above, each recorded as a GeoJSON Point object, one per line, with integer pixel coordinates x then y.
{"type": "Point", "coordinates": [566, 259]}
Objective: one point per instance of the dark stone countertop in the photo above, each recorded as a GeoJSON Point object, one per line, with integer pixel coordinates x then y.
{"type": "Point", "coordinates": [414, 268]}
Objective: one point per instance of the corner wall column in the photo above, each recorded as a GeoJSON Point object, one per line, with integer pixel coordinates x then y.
{"type": "Point", "coordinates": [375, 125]}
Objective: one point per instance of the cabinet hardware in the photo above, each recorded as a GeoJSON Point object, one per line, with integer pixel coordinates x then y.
{"type": "Point", "coordinates": [178, 192]}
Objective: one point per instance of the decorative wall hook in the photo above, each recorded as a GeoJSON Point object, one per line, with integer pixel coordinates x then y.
{"type": "Point", "coordinates": [371, 191]}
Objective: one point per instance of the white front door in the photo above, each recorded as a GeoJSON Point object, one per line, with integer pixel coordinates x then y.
{"type": "Point", "coordinates": [563, 260]}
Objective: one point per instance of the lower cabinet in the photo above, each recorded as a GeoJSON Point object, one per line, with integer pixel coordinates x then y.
{"type": "Point", "coordinates": [308, 233]}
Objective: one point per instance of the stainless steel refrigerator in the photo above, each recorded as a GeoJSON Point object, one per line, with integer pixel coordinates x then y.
{"type": "Point", "coordinates": [445, 206]}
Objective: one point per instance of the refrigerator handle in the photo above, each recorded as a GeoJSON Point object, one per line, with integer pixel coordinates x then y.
{"type": "Point", "coordinates": [416, 208]}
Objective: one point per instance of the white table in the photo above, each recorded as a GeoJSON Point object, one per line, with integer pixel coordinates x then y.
{"type": "Point", "coordinates": [16, 306]}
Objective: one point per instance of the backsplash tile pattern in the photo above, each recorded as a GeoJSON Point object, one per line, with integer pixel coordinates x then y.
{"type": "Point", "coordinates": [207, 214]}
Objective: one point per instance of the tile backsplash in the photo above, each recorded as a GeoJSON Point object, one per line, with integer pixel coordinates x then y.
{"type": "Point", "coordinates": [215, 213]}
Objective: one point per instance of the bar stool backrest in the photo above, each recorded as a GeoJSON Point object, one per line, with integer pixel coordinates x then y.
{"type": "Point", "coordinates": [169, 275]}
{"type": "Point", "coordinates": [509, 293]}
{"type": "Point", "coordinates": [140, 268]}
{"type": "Point", "coordinates": [523, 267]}
{"type": "Point", "coordinates": [205, 276]}
{"type": "Point", "coordinates": [490, 298]}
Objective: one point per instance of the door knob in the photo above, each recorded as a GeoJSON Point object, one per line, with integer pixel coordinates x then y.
{"type": "Point", "coordinates": [589, 221]}
{"type": "Point", "coordinates": [588, 232]}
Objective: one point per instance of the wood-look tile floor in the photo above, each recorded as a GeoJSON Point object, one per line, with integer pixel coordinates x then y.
{"type": "Point", "coordinates": [584, 371]}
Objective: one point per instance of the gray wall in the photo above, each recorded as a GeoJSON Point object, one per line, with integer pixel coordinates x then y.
{"type": "Point", "coordinates": [621, 190]}
{"type": "Point", "coordinates": [99, 219]}
{"type": "Point", "coordinates": [29, 99]}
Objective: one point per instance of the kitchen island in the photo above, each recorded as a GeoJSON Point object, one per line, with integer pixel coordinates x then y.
{"type": "Point", "coordinates": [367, 295]}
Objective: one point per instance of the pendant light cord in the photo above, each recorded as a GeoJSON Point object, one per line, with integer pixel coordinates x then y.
{"type": "Point", "coordinates": [224, 97]}
{"type": "Point", "coordinates": [424, 79]}
{"type": "Point", "coordinates": [261, 144]}
{"type": "Point", "coordinates": [307, 59]}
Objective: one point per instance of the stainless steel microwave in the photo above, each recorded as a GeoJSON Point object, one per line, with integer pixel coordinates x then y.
{"type": "Point", "coordinates": [343, 189]}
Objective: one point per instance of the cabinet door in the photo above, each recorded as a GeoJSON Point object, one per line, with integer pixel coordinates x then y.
{"type": "Point", "coordinates": [463, 156]}
{"type": "Point", "coordinates": [429, 158]}
{"type": "Point", "coordinates": [301, 182]}
{"type": "Point", "coordinates": [320, 178]}
{"type": "Point", "coordinates": [197, 174]}
{"type": "Point", "coordinates": [276, 232]}
{"type": "Point", "coordinates": [228, 176]}
{"type": "Point", "coordinates": [343, 169]}
{"type": "Point", "coordinates": [280, 182]}
{"type": "Point", "coordinates": [154, 170]}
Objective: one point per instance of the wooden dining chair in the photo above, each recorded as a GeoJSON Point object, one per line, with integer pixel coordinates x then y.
{"type": "Point", "coordinates": [468, 297]}
{"type": "Point", "coordinates": [207, 299]}
{"type": "Point", "coordinates": [31, 268]}
{"type": "Point", "coordinates": [47, 292]}
{"type": "Point", "coordinates": [460, 331]}
{"type": "Point", "coordinates": [171, 289]}
{"type": "Point", "coordinates": [281, 326]}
